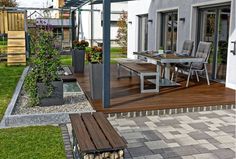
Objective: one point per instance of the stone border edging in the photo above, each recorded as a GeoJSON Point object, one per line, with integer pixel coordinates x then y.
{"type": "Point", "coordinates": [11, 105]}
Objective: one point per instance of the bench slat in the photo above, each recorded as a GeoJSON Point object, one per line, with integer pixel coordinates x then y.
{"type": "Point", "coordinates": [95, 133]}
{"type": "Point", "coordinates": [84, 141]}
{"type": "Point", "coordinates": [140, 67]}
{"type": "Point", "coordinates": [113, 137]}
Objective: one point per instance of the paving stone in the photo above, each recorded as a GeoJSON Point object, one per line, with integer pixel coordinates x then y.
{"type": "Point", "coordinates": [157, 156]}
{"type": "Point", "coordinates": [156, 144]}
{"type": "Point", "coordinates": [186, 141]}
{"type": "Point", "coordinates": [205, 156]}
{"type": "Point", "coordinates": [150, 135]}
{"type": "Point", "coordinates": [185, 150]}
{"type": "Point", "coordinates": [201, 149]}
{"type": "Point", "coordinates": [225, 139]}
{"type": "Point", "coordinates": [187, 157]}
{"type": "Point", "coordinates": [227, 129]}
{"type": "Point", "coordinates": [133, 135]}
{"type": "Point", "coordinates": [200, 126]}
{"type": "Point", "coordinates": [139, 151]}
{"type": "Point", "coordinates": [136, 144]}
{"type": "Point", "coordinates": [175, 132]}
{"type": "Point", "coordinates": [199, 135]}
{"type": "Point", "coordinates": [208, 146]}
{"type": "Point", "coordinates": [224, 153]}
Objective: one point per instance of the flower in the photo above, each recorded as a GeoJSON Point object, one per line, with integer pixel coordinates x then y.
{"type": "Point", "coordinates": [95, 56]}
{"type": "Point", "coordinates": [81, 45]}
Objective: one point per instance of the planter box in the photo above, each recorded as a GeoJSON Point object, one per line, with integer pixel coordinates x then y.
{"type": "Point", "coordinates": [78, 57]}
{"type": "Point", "coordinates": [95, 79]}
{"type": "Point", "coordinates": [56, 97]}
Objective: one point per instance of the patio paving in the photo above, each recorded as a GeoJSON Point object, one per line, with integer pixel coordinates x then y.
{"type": "Point", "coordinates": [200, 135]}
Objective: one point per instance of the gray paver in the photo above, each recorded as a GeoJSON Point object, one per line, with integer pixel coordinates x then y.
{"type": "Point", "coordinates": [140, 151]}
{"type": "Point", "coordinates": [202, 135]}
{"type": "Point", "coordinates": [224, 153]}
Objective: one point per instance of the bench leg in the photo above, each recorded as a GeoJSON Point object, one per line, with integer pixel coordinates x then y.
{"type": "Point", "coordinates": [142, 80]}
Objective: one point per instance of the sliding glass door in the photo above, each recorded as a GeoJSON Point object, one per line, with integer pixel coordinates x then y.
{"type": "Point", "coordinates": [169, 30]}
{"type": "Point", "coordinates": [214, 28]}
{"type": "Point", "coordinates": [143, 33]}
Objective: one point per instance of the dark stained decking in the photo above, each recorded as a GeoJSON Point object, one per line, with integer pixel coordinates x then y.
{"type": "Point", "coordinates": [126, 96]}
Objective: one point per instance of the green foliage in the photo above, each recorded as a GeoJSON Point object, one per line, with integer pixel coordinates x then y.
{"type": "Point", "coordinates": [81, 45]}
{"type": "Point", "coordinates": [8, 3]}
{"type": "Point", "coordinates": [95, 56]}
{"type": "Point", "coordinates": [39, 142]}
{"type": "Point", "coordinates": [122, 31]}
{"type": "Point", "coordinates": [44, 66]}
{"type": "Point", "coordinates": [9, 77]}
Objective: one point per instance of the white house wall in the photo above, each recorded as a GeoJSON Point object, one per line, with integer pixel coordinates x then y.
{"type": "Point", "coordinates": [231, 66]}
{"type": "Point", "coordinates": [135, 8]}
{"type": "Point", "coordinates": [86, 20]}
{"type": "Point", "coordinates": [186, 30]}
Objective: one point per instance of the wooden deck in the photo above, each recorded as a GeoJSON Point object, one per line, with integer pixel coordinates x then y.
{"type": "Point", "coordinates": [126, 96]}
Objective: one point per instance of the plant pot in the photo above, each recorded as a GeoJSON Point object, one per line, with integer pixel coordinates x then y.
{"type": "Point", "coordinates": [56, 98]}
{"type": "Point", "coordinates": [95, 79]}
{"type": "Point", "coordinates": [78, 57]}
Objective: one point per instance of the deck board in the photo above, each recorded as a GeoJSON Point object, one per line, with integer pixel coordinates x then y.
{"type": "Point", "coordinates": [126, 96]}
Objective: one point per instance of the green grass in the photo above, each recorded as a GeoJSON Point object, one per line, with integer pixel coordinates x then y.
{"type": "Point", "coordinates": [116, 52]}
{"type": "Point", "coordinates": [43, 142]}
{"type": "Point", "coordinates": [66, 60]}
{"type": "Point", "coordinates": [9, 77]}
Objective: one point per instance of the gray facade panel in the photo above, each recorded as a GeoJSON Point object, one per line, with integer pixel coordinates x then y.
{"type": "Point", "coordinates": [187, 29]}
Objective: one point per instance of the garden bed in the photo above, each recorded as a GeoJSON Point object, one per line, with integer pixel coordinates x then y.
{"type": "Point", "coordinates": [73, 102]}
{"type": "Point", "coordinates": [19, 113]}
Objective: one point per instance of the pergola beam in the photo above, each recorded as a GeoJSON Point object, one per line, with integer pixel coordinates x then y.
{"type": "Point", "coordinates": [106, 53]}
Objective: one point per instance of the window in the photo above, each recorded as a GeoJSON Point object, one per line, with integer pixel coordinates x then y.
{"type": "Point", "coordinates": [169, 30]}
{"type": "Point", "coordinates": [143, 33]}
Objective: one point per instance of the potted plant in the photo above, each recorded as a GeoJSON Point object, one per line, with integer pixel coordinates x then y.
{"type": "Point", "coordinates": [43, 84]}
{"type": "Point", "coordinates": [78, 55]}
{"type": "Point", "coordinates": [95, 72]}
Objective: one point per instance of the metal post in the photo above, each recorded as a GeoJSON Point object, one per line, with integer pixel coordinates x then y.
{"type": "Point", "coordinates": [73, 29]}
{"type": "Point", "coordinates": [78, 25]}
{"type": "Point", "coordinates": [106, 53]}
{"type": "Point", "coordinates": [92, 24]}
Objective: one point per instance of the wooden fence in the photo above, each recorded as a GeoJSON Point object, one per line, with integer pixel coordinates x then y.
{"type": "Point", "coordinates": [11, 21]}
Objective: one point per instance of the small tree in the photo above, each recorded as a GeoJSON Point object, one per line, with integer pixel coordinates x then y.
{"type": "Point", "coordinates": [122, 31]}
{"type": "Point", "coordinates": [8, 3]}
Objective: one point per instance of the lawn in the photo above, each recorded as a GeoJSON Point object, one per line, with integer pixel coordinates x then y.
{"type": "Point", "coordinates": [116, 52]}
{"type": "Point", "coordinates": [41, 142]}
{"type": "Point", "coordinates": [9, 77]}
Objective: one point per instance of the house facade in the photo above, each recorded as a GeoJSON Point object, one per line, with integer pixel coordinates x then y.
{"type": "Point", "coordinates": [167, 24]}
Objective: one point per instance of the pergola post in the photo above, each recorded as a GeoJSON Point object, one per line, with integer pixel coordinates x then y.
{"type": "Point", "coordinates": [106, 53]}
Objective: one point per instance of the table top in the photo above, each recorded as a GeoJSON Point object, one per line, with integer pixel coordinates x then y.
{"type": "Point", "coordinates": [169, 58]}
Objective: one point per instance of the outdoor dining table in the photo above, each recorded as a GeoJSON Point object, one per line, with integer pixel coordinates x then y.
{"type": "Point", "coordinates": [166, 60]}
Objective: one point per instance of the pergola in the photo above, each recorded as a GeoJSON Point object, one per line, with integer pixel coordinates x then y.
{"type": "Point", "coordinates": [72, 6]}
{"type": "Point", "coordinates": [106, 41]}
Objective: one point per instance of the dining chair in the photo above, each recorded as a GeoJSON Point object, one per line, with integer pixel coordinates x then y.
{"type": "Point", "coordinates": [203, 51]}
{"type": "Point", "coordinates": [187, 50]}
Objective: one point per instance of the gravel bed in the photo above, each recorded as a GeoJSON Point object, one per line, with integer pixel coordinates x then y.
{"type": "Point", "coordinates": [73, 102]}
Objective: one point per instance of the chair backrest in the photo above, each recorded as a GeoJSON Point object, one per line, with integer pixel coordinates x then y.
{"type": "Point", "coordinates": [203, 51]}
{"type": "Point", "coordinates": [187, 47]}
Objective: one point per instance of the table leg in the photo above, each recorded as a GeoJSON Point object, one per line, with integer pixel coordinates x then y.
{"type": "Point", "coordinates": [167, 71]}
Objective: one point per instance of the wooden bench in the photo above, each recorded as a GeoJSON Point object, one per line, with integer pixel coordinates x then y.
{"type": "Point", "coordinates": [94, 137]}
{"type": "Point", "coordinates": [142, 69]}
